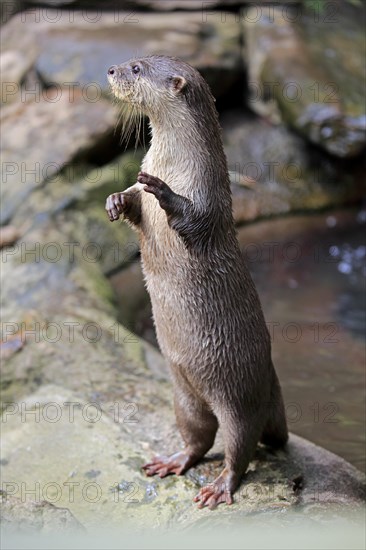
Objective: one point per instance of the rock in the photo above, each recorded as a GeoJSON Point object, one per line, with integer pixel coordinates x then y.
{"type": "Point", "coordinates": [112, 245]}
{"type": "Point", "coordinates": [39, 140]}
{"type": "Point", "coordinates": [11, 345]}
{"type": "Point", "coordinates": [60, 305]}
{"type": "Point", "coordinates": [134, 306]}
{"type": "Point", "coordinates": [13, 68]}
{"type": "Point", "coordinates": [95, 185]}
{"type": "Point", "coordinates": [301, 73]}
{"type": "Point", "coordinates": [81, 51]}
{"type": "Point", "coordinates": [108, 441]}
{"type": "Point", "coordinates": [275, 171]}
{"type": "Point", "coordinates": [76, 197]}
{"type": "Point", "coordinates": [8, 235]}
{"type": "Point", "coordinates": [31, 517]}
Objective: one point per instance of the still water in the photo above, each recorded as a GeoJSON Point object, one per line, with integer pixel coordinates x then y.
{"type": "Point", "coordinates": [310, 275]}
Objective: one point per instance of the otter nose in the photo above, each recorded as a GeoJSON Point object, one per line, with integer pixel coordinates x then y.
{"type": "Point", "coordinates": [112, 70]}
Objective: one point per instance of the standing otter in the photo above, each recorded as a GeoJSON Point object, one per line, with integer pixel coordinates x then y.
{"type": "Point", "coordinates": [207, 313]}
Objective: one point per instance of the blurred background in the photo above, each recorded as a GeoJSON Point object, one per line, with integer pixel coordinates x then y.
{"type": "Point", "coordinates": [289, 80]}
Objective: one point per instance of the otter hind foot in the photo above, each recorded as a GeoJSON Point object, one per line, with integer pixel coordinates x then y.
{"type": "Point", "coordinates": [218, 492]}
{"type": "Point", "coordinates": [177, 463]}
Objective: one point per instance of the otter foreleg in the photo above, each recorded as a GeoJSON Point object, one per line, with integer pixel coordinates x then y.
{"type": "Point", "coordinates": [175, 205]}
{"type": "Point", "coordinates": [198, 427]}
{"type": "Point", "coordinates": [190, 223]}
{"type": "Point", "coordinates": [127, 203]}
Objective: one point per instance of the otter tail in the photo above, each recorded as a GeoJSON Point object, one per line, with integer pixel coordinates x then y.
{"type": "Point", "coordinates": [275, 433]}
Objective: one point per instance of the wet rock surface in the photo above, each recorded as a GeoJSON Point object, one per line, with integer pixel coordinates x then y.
{"type": "Point", "coordinates": [21, 517]}
{"type": "Point", "coordinates": [39, 139]}
{"type": "Point", "coordinates": [107, 444]}
{"type": "Point", "coordinates": [275, 171]}
{"type": "Point", "coordinates": [80, 50]}
{"type": "Point", "coordinates": [299, 73]}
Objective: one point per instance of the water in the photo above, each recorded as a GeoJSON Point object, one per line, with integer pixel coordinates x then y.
{"type": "Point", "coordinates": [310, 275]}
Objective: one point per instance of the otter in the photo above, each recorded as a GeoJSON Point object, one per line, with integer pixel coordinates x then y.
{"type": "Point", "coordinates": [207, 314]}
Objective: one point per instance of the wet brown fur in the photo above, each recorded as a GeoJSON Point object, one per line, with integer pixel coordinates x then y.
{"type": "Point", "coordinates": [208, 317]}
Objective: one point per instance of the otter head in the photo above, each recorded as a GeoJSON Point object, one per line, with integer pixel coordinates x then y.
{"type": "Point", "coordinates": [161, 87]}
{"type": "Point", "coordinates": [149, 83]}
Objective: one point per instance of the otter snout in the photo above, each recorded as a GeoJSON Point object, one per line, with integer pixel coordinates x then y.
{"type": "Point", "coordinates": [122, 81]}
{"type": "Point", "coordinates": [116, 79]}
{"type": "Point", "coordinates": [113, 73]}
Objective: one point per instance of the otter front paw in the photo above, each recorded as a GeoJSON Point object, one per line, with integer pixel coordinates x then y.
{"type": "Point", "coordinates": [157, 187]}
{"type": "Point", "coordinates": [115, 205]}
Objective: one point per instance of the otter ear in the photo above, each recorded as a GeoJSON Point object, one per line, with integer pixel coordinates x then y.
{"type": "Point", "coordinates": [177, 83]}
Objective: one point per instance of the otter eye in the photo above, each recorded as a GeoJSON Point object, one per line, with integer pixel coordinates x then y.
{"type": "Point", "coordinates": [136, 69]}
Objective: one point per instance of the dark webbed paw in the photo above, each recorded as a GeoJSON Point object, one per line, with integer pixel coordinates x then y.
{"type": "Point", "coordinates": [157, 187]}
{"type": "Point", "coordinates": [115, 205]}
